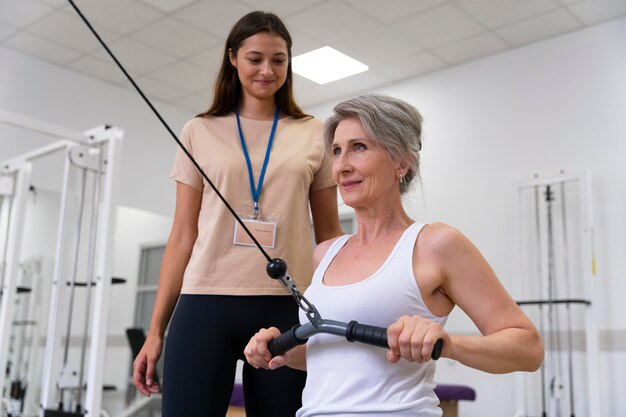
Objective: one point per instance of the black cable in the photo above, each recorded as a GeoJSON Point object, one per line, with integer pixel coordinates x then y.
{"type": "Point", "coordinates": [169, 129]}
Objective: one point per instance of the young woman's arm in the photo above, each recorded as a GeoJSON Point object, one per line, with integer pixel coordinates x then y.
{"type": "Point", "coordinates": [325, 214]}
{"type": "Point", "coordinates": [177, 253]}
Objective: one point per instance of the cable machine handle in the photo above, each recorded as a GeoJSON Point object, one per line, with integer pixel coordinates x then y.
{"type": "Point", "coordinates": [364, 333]}
{"type": "Point", "coordinates": [353, 332]}
{"type": "Point", "coordinates": [285, 342]}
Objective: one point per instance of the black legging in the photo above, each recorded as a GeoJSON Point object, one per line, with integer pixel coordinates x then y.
{"type": "Point", "coordinates": [206, 337]}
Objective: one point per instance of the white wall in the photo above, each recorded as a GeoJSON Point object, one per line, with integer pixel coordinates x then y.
{"type": "Point", "coordinates": [557, 104]}
{"type": "Point", "coordinates": [43, 91]}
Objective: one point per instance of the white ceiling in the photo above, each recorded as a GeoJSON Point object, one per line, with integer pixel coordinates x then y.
{"type": "Point", "coordinates": [173, 47]}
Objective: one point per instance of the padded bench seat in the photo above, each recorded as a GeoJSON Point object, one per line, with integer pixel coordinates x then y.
{"type": "Point", "coordinates": [236, 398]}
{"type": "Point", "coordinates": [448, 394]}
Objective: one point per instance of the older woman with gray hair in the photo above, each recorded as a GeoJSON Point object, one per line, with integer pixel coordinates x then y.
{"type": "Point", "coordinates": [398, 274]}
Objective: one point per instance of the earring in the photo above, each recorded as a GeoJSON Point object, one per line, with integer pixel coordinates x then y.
{"type": "Point", "coordinates": [401, 179]}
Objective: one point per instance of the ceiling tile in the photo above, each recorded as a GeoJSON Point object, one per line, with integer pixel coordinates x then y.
{"type": "Point", "coordinates": [42, 48]}
{"type": "Point", "coordinates": [331, 22]}
{"type": "Point", "coordinates": [158, 89]}
{"type": "Point", "coordinates": [193, 103]}
{"type": "Point", "coordinates": [302, 43]}
{"type": "Point", "coordinates": [411, 66]}
{"type": "Point", "coordinates": [54, 3]}
{"type": "Point", "coordinates": [207, 16]}
{"type": "Point", "coordinates": [22, 12]}
{"type": "Point", "coordinates": [471, 48]}
{"type": "Point", "coordinates": [100, 69]}
{"type": "Point", "coordinates": [595, 11]}
{"type": "Point", "coordinates": [360, 83]}
{"type": "Point", "coordinates": [184, 75]}
{"type": "Point", "coordinates": [386, 11]}
{"type": "Point", "coordinates": [6, 31]}
{"type": "Point", "coordinates": [540, 27]}
{"type": "Point", "coordinates": [175, 37]}
{"type": "Point", "coordinates": [282, 8]}
{"type": "Point", "coordinates": [210, 59]}
{"type": "Point", "coordinates": [120, 16]}
{"type": "Point", "coordinates": [496, 13]}
{"type": "Point", "coordinates": [136, 56]}
{"type": "Point", "coordinates": [68, 30]}
{"type": "Point", "coordinates": [438, 27]}
{"type": "Point", "coordinates": [301, 83]}
{"type": "Point", "coordinates": [167, 6]}
{"type": "Point", "coordinates": [309, 97]}
{"type": "Point", "coordinates": [380, 44]}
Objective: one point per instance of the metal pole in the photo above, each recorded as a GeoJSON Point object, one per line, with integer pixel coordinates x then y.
{"type": "Point", "coordinates": [52, 357]}
{"type": "Point", "coordinates": [568, 291]}
{"type": "Point", "coordinates": [553, 318]}
{"type": "Point", "coordinates": [540, 274]}
{"type": "Point", "coordinates": [106, 226]}
{"type": "Point", "coordinates": [89, 277]}
{"type": "Point", "coordinates": [11, 261]}
{"type": "Point", "coordinates": [73, 273]}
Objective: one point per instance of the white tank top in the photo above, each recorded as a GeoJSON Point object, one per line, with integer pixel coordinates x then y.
{"type": "Point", "coordinates": [346, 379]}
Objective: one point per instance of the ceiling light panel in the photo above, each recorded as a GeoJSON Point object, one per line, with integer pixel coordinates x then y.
{"type": "Point", "coordinates": [325, 65]}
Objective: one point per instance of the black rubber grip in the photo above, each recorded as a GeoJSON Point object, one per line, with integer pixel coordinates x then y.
{"type": "Point", "coordinates": [285, 342]}
{"type": "Point", "coordinates": [437, 349]}
{"type": "Point", "coordinates": [377, 336]}
{"type": "Point", "coordinates": [364, 333]}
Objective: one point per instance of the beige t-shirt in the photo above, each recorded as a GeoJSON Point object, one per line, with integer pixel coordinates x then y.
{"type": "Point", "coordinates": [297, 165]}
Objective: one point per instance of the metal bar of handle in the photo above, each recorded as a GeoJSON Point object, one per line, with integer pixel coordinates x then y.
{"type": "Point", "coordinates": [353, 332]}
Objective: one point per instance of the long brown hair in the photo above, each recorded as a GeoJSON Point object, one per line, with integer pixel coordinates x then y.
{"type": "Point", "coordinates": [228, 86]}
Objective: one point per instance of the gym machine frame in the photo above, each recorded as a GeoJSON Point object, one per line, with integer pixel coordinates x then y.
{"type": "Point", "coordinates": [93, 153]}
{"type": "Point", "coordinates": [544, 188]}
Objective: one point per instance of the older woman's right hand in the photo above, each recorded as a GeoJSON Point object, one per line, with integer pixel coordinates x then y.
{"type": "Point", "coordinates": [413, 338]}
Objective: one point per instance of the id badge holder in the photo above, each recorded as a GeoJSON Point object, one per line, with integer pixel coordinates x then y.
{"type": "Point", "coordinates": [264, 231]}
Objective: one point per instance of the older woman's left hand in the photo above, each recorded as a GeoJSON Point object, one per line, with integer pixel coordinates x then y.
{"type": "Point", "coordinates": [413, 338]}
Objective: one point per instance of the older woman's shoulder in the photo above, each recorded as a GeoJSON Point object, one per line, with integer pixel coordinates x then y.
{"type": "Point", "coordinates": [439, 230]}
{"type": "Point", "coordinates": [441, 238]}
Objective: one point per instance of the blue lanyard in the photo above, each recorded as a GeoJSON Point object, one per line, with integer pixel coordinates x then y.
{"type": "Point", "coordinates": [256, 191]}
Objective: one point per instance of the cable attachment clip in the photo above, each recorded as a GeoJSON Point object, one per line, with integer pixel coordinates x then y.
{"type": "Point", "coordinates": [277, 269]}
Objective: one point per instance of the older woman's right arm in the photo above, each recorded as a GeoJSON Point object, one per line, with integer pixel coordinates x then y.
{"type": "Point", "coordinates": [510, 341]}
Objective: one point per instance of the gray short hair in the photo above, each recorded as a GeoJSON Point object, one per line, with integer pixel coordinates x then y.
{"type": "Point", "coordinates": [390, 122]}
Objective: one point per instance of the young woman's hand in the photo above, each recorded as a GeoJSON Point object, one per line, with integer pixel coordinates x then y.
{"type": "Point", "coordinates": [145, 364]}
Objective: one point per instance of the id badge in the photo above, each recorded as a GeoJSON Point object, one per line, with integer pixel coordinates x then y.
{"type": "Point", "coordinates": [263, 231]}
